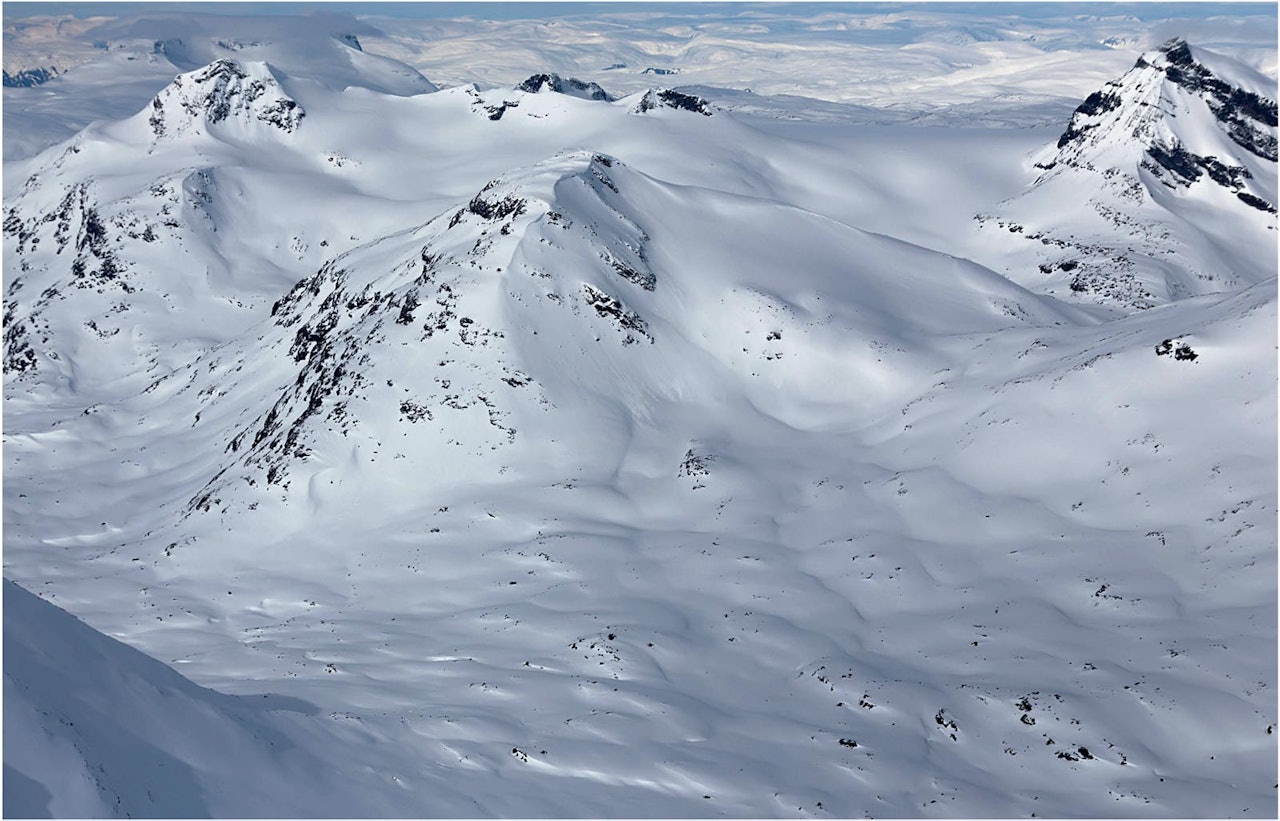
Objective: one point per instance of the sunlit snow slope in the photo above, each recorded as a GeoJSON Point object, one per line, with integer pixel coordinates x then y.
{"type": "Point", "coordinates": [556, 453]}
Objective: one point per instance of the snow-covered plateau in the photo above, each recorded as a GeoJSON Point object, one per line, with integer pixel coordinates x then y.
{"type": "Point", "coordinates": [641, 414]}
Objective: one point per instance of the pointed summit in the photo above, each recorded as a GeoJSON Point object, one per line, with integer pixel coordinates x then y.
{"type": "Point", "coordinates": [1155, 172]}
{"type": "Point", "coordinates": [1163, 95]}
{"type": "Point", "coordinates": [1247, 116]}
{"type": "Point", "coordinates": [1183, 116]}
{"type": "Point", "coordinates": [1177, 51]}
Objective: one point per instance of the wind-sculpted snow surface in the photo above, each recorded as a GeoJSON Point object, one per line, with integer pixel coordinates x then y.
{"type": "Point", "coordinates": [95, 729]}
{"type": "Point", "coordinates": [603, 466]}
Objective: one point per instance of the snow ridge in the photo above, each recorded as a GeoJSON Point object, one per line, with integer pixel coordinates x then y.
{"type": "Point", "coordinates": [1144, 106]}
{"type": "Point", "coordinates": [667, 98]}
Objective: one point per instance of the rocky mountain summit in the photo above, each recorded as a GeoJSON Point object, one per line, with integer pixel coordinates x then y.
{"type": "Point", "coordinates": [1145, 107]}
{"type": "Point", "coordinates": [1162, 169]}
{"type": "Point", "coordinates": [224, 91]}
{"type": "Point", "coordinates": [539, 83]}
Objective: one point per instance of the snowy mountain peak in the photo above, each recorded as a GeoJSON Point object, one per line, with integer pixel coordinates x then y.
{"type": "Point", "coordinates": [1171, 98]}
{"type": "Point", "coordinates": [225, 91]}
{"type": "Point", "coordinates": [1248, 117]}
{"type": "Point", "coordinates": [570, 457]}
{"type": "Point", "coordinates": [571, 86]}
{"type": "Point", "coordinates": [666, 98]}
{"type": "Point", "coordinates": [1186, 117]}
{"type": "Point", "coordinates": [1183, 133]}
{"type": "Point", "coordinates": [1175, 51]}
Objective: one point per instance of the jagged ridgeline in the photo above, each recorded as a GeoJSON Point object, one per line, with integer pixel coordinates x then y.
{"type": "Point", "coordinates": [1245, 116]}
{"type": "Point", "coordinates": [1119, 210]}
{"type": "Point", "coordinates": [101, 222]}
{"type": "Point", "coordinates": [29, 77]}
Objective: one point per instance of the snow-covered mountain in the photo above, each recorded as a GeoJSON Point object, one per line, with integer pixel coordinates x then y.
{"type": "Point", "coordinates": [560, 85]}
{"type": "Point", "coordinates": [1163, 185]}
{"type": "Point", "coordinates": [969, 67]}
{"type": "Point", "coordinates": [237, 94]}
{"type": "Point", "coordinates": [223, 177]}
{"type": "Point", "coordinates": [433, 330]}
{"type": "Point", "coordinates": [558, 451]}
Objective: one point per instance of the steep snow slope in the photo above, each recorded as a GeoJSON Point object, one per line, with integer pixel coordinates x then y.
{"type": "Point", "coordinates": [568, 263]}
{"type": "Point", "coordinates": [612, 471]}
{"type": "Point", "coordinates": [655, 514]}
{"type": "Point", "coordinates": [710, 591]}
{"type": "Point", "coordinates": [95, 729]}
{"type": "Point", "coordinates": [1163, 185]}
{"type": "Point", "coordinates": [241, 95]}
{"type": "Point", "coordinates": [104, 222]}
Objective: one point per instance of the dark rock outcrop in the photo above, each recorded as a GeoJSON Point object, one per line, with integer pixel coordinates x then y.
{"type": "Point", "coordinates": [29, 77]}
{"type": "Point", "coordinates": [563, 85]}
{"type": "Point", "coordinates": [667, 98]}
{"type": "Point", "coordinates": [220, 91]}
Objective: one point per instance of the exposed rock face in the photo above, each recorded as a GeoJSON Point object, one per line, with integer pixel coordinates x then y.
{"type": "Point", "coordinates": [1248, 118]}
{"type": "Point", "coordinates": [539, 83]}
{"type": "Point", "coordinates": [1182, 129]}
{"type": "Point", "coordinates": [667, 98]}
{"type": "Point", "coordinates": [223, 91]}
{"type": "Point", "coordinates": [336, 336]}
{"type": "Point", "coordinates": [1086, 114]}
{"type": "Point", "coordinates": [1133, 104]}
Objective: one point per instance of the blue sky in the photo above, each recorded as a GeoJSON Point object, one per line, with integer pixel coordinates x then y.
{"type": "Point", "coordinates": [542, 10]}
